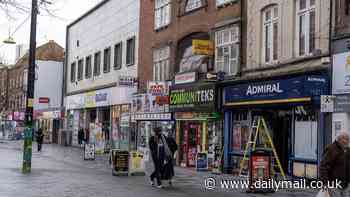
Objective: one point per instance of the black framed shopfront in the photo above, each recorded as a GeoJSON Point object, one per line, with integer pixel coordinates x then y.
{"type": "Point", "coordinates": [291, 107]}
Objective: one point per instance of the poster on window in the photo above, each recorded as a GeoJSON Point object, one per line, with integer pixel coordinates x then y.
{"type": "Point", "coordinates": [236, 138]}
{"type": "Point", "coordinates": [99, 139]}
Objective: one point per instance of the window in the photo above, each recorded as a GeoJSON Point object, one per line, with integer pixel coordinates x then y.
{"type": "Point", "coordinates": [193, 4]}
{"type": "Point", "coordinates": [72, 72]}
{"type": "Point", "coordinates": [161, 64]}
{"type": "Point", "coordinates": [118, 55]}
{"type": "Point", "coordinates": [227, 50]}
{"type": "Point", "coordinates": [80, 69]}
{"type": "Point", "coordinates": [240, 131]}
{"type": "Point", "coordinates": [97, 64]}
{"type": "Point", "coordinates": [222, 2]}
{"type": "Point", "coordinates": [307, 26]}
{"type": "Point", "coordinates": [270, 34]}
{"type": "Point", "coordinates": [130, 51]}
{"type": "Point", "coordinates": [107, 60]}
{"type": "Point", "coordinates": [347, 7]}
{"type": "Point", "coordinates": [88, 67]}
{"type": "Point", "coordinates": [162, 13]}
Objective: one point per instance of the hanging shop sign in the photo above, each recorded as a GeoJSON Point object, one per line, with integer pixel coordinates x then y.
{"type": "Point", "coordinates": [44, 100]}
{"type": "Point", "coordinates": [192, 98]}
{"type": "Point", "coordinates": [90, 99]}
{"type": "Point", "coordinates": [202, 47]}
{"type": "Point", "coordinates": [183, 78]}
{"type": "Point", "coordinates": [153, 116]}
{"type": "Point", "coordinates": [327, 103]}
{"type": "Point", "coordinates": [128, 81]}
{"type": "Point", "coordinates": [297, 89]}
{"type": "Point", "coordinates": [341, 73]}
{"type": "Point", "coordinates": [158, 88]}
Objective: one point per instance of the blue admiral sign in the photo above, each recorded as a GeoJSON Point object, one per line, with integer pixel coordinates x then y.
{"type": "Point", "coordinates": [297, 89]}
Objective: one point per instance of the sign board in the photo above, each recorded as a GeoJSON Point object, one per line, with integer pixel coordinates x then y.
{"type": "Point", "coordinates": [295, 89]}
{"type": "Point", "coordinates": [260, 167]}
{"type": "Point", "coordinates": [202, 161]}
{"type": "Point", "coordinates": [200, 97]}
{"type": "Point", "coordinates": [89, 152]}
{"type": "Point", "coordinates": [342, 103]}
{"type": "Point", "coordinates": [128, 81]}
{"type": "Point", "coordinates": [120, 162]}
{"type": "Point", "coordinates": [44, 100]}
{"type": "Point", "coordinates": [157, 88]}
{"type": "Point", "coordinates": [137, 165]}
{"type": "Point", "coordinates": [153, 116]}
{"type": "Point", "coordinates": [183, 78]}
{"type": "Point", "coordinates": [202, 47]}
{"type": "Point", "coordinates": [341, 73]}
{"type": "Point", "coordinates": [327, 103]}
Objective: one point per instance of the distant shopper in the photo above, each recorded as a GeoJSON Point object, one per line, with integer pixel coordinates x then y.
{"type": "Point", "coordinates": [162, 155]}
{"type": "Point", "coordinates": [80, 136]}
{"type": "Point", "coordinates": [39, 138]}
{"type": "Point", "coordinates": [335, 166]}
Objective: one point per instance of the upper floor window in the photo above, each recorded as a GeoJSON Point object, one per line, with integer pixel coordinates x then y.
{"type": "Point", "coordinates": [227, 50]}
{"type": "Point", "coordinates": [97, 63]}
{"type": "Point", "coordinates": [193, 4]}
{"type": "Point", "coordinates": [107, 60]}
{"type": "Point", "coordinates": [88, 69]}
{"type": "Point", "coordinates": [270, 34]}
{"type": "Point", "coordinates": [307, 25]}
{"type": "Point", "coordinates": [80, 69]}
{"type": "Point", "coordinates": [118, 56]}
{"type": "Point", "coordinates": [222, 2]}
{"type": "Point", "coordinates": [162, 13]}
{"type": "Point", "coordinates": [130, 51]}
{"type": "Point", "coordinates": [72, 72]}
{"type": "Point", "coordinates": [161, 64]}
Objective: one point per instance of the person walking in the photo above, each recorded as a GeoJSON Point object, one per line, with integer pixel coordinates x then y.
{"type": "Point", "coordinates": [161, 155]}
{"type": "Point", "coordinates": [335, 166]}
{"type": "Point", "coordinates": [80, 136]}
{"type": "Point", "coordinates": [39, 138]}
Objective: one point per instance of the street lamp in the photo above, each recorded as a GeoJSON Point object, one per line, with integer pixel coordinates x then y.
{"type": "Point", "coordinates": [9, 40]}
{"type": "Point", "coordinates": [27, 150]}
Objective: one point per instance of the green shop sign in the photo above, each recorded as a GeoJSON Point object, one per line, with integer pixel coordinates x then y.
{"type": "Point", "coordinates": [192, 98]}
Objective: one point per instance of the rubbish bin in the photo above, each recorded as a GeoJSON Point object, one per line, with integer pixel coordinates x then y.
{"type": "Point", "coordinates": [260, 170]}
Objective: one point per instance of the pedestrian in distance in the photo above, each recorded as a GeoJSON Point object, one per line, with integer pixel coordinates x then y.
{"type": "Point", "coordinates": [162, 156]}
{"type": "Point", "coordinates": [80, 136]}
{"type": "Point", "coordinates": [39, 138]}
{"type": "Point", "coordinates": [335, 166]}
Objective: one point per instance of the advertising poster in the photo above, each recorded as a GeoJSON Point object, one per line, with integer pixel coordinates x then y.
{"type": "Point", "coordinates": [236, 138]}
{"type": "Point", "coordinates": [260, 167]}
{"type": "Point", "coordinates": [99, 139]}
{"type": "Point", "coordinates": [75, 128]}
{"type": "Point", "coordinates": [341, 73]}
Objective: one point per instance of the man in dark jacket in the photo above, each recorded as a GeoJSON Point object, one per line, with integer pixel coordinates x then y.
{"type": "Point", "coordinates": [335, 165]}
{"type": "Point", "coordinates": [40, 138]}
{"type": "Point", "coordinates": [162, 154]}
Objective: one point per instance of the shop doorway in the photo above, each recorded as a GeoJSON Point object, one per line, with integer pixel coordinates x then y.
{"type": "Point", "coordinates": [190, 143]}
{"type": "Point", "coordinates": [55, 128]}
{"type": "Point", "coordinates": [279, 123]}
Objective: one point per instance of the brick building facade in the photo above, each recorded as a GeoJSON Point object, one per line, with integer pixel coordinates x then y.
{"type": "Point", "coordinates": [3, 87]}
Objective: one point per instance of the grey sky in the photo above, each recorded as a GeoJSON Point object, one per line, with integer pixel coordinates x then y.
{"type": "Point", "coordinates": [48, 28]}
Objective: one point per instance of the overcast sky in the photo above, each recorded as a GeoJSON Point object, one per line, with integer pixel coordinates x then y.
{"type": "Point", "coordinates": [49, 28]}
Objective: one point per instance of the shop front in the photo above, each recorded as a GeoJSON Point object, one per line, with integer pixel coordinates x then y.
{"type": "Point", "coordinates": [198, 124]}
{"type": "Point", "coordinates": [291, 109]}
{"type": "Point", "coordinates": [50, 122]}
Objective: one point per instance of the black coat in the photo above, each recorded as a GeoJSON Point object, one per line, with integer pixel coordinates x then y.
{"type": "Point", "coordinates": [153, 146]}
{"type": "Point", "coordinates": [40, 136]}
{"type": "Point", "coordinates": [335, 164]}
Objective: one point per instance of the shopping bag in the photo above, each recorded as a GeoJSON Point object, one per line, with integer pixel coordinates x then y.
{"type": "Point", "coordinates": [323, 193]}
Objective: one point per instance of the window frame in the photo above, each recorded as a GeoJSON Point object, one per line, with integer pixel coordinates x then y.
{"type": "Point", "coordinates": [80, 71]}
{"type": "Point", "coordinates": [161, 64]}
{"type": "Point", "coordinates": [192, 9]}
{"type": "Point", "coordinates": [306, 42]}
{"type": "Point", "coordinates": [161, 10]}
{"type": "Point", "coordinates": [224, 2]}
{"type": "Point", "coordinates": [107, 60]}
{"type": "Point", "coordinates": [88, 68]}
{"type": "Point", "coordinates": [97, 64]}
{"type": "Point", "coordinates": [269, 36]}
{"type": "Point", "coordinates": [133, 39]}
{"type": "Point", "coordinates": [230, 44]}
{"type": "Point", "coordinates": [73, 72]}
{"type": "Point", "coordinates": [118, 62]}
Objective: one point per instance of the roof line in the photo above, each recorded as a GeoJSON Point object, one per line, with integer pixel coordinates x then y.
{"type": "Point", "coordinates": [88, 13]}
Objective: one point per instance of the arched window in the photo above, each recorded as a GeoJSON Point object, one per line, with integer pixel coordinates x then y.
{"type": "Point", "coordinates": [270, 34]}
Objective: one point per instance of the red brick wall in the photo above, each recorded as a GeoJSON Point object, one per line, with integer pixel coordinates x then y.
{"type": "Point", "coordinates": [181, 25]}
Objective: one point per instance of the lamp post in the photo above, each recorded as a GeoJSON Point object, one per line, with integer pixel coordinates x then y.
{"type": "Point", "coordinates": [27, 149]}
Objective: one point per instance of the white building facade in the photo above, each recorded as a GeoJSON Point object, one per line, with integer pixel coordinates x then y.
{"type": "Point", "coordinates": [101, 71]}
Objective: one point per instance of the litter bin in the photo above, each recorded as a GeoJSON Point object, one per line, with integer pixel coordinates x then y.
{"type": "Point", "coordinates": [260, 170]}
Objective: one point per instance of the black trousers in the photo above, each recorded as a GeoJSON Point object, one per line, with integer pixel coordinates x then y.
{"type": "Point", "coordinates": [156, 174]}
{"type": "Point", "coordinates": [39, 146]}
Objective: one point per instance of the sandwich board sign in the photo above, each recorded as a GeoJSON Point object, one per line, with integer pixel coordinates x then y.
{"type": "Point", "coordinates": [89, 152]}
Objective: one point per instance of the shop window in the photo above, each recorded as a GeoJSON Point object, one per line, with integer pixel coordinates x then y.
{"type": "Point", "coordinates": [88, 67]}
{"type": "Point", "coordinates": [161, 64]}
{"type": "Point", "coordinates": [306, 18]}
{"type": "Point", "coordinates": [240, 132]}
{"type": "Point", "coordinates": [270, 34]}
{"type": "Point", "coordinates": [97, 64]}
{"type": "Point", "coordinates": [162, 13]}
{"type": "Point", "coordinates": [72, 72]}
{"type": "Point", "coordinates": [305, 146]}
{"type": "Point", "coordinates": [130, 51]}
{"type": "Point", "coordinates": [107, 60]}
{"type": "Point", "coordinates": [193, 4]}
{"type": "Point", "coordinates": [227, 50]}
{"type": "Point", "coordinates": [118, 55]}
